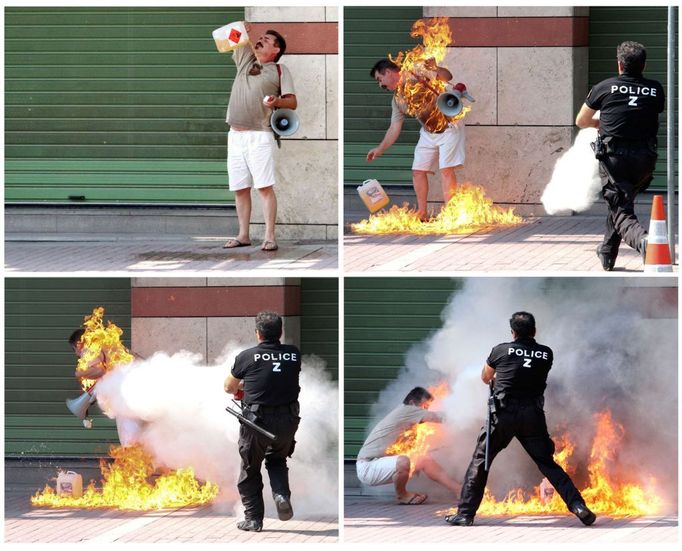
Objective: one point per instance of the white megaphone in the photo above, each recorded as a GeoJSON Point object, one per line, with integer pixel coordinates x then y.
{"type": "Point", "coordinates": [79, 406]}
{"type": "Point", "coordinates": [284, 121]}
{"type": "Point", "coordinates": [450, 103]}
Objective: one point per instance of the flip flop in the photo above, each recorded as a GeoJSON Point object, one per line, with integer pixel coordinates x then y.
{"type": "Point", "coordinates": [416, 499]}
{"type": "Point", "coordinates": [233, 243]}
{"type": "Point", "coordinates": [269, 246]}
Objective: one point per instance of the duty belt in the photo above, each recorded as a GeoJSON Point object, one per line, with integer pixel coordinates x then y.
{"type": "Point", "coordinates": [292, 407]}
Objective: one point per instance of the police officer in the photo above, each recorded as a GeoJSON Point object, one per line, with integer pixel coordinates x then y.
{"type": "Point", "coordinates": [520, 371]}
{"type": "Point", "coordinates": [629, 105]}
{"type": "Point", "coordinates": [268, 376]}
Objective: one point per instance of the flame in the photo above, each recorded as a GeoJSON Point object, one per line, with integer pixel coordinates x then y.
{"type": "Point", "coordinates": [125, 485]}
{"type": "Point", "coordinates": [99, 340]}
{"type": "Point", "coordinates": [126, 482]}
{"type": "Point", "coordinates": [608, 492]}
{"type": "Point", "coordinates": [467, 211]}
{"type": "Point", "coordinates": [418, 87]}
{"type": "Point", "coordinates": [416, 442]}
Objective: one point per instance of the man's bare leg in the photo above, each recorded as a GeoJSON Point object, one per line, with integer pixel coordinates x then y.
{"type": "Point", "coordinates": [436, 473]}
{"type": "Point", "coordinates": [448, 179]}
{"type": "Point", "coordinates": [269, 200]}
{"type": "Point", "coordinates": [242, 198]}
{"type": "Point", "coordinates": [420, 182]}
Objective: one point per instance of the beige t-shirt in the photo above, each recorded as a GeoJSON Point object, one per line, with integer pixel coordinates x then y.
{"type": "Point", "coordinates": [245, 108]}
{"type": "Point", "coordinates": [389, 428]}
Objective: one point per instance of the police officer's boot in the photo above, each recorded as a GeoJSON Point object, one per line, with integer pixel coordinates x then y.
{"type": "Point", "coordinates": [250, 525]}
{"type": "Point", "coordinates": [459, 520]}
{"type": "Point", "coordinates": [607, 262]}
{"type": "Point", "coordinates": [580, 510]}
{"type": "Point", "coordinates": [284, 509]}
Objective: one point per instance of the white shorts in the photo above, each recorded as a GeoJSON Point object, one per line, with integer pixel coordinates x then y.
{"type": "Point", "coordinates": [443, 150]}
{"type": "Point", "coordinates": [376, 472]}
{"type": "Point", "coordinates": [250, 159]}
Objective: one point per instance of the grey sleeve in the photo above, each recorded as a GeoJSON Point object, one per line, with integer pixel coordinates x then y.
{"type": "Point", "coordinates": [287, 84]}
{"type": "Point", "coordinates": [243, 56]}
{"type": "Point", "coordinates": [396, 114]}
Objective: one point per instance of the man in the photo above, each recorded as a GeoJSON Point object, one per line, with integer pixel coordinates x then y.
{"type": "Point", "coordinates": [251, 144]}
{"type": "Point", "coordinates": [268, 376]}
{"type": "Point", "coordinates": [520, 370]}
{"type": "Point", "coordinates": [440, 143]}
{"type": "Point", "coordinates": [129, 429]}
{"type": "Point", "coordinates": [375, 468]}
{"type": "Point", "coordinates": [629, 105]}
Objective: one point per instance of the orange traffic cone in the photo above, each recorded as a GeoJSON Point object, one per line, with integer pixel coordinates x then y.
{"type": "Point", "coordinates": [657, 248]}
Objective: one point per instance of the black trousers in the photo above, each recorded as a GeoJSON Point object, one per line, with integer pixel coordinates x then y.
{"type": "Point", "coordinates": [526, 422]}
{"type": "Point", "coordinates": [254, 448]}
{"type": "Point", "coordinates": [628, 169]}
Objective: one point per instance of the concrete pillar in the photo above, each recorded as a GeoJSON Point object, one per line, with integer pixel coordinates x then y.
{"type": "Point", "coordinates": [203, 315]}
{"type": "Point", "coordinates": [307, 163]}
{"type": "Point", "coordinates": [527, 69]}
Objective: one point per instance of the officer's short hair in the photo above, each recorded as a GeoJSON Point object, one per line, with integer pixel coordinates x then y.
{"type": "Point", "coordinates": [632, 56]}
{"type": "Point", "coordinates": [75, 337]}
{"type": "Point", "coordinates": [381, 66]}
{"type": "Point", "coordinates": [269, 325]}
{"type": "Point", "coordinates": [523, 324]}
{"type": "Point", "coordinates": [418, 395]}
{"type": "Point", "coordinates": [279, 42]}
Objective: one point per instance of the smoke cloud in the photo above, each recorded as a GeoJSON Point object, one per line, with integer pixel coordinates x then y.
{"type": "Point", "coordinates": [575, 182]}
{"type": "Point", "coordinates": [607, 355]}
{"type": "Point", "coordinates": [181, 405]}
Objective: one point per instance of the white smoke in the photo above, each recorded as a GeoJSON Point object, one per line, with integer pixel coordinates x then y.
{"type": "Point", "coordinates": [181, 403]}
{"type": "Point", "coordinates": [575, 182]}
{"type": "Point", "coordinates": [606, 355]}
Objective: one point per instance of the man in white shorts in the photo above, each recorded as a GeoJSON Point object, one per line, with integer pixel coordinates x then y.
{"type": "Point", "coordinates": [250, 142]}
{"type": "Point", "coordinates": [441, 143]}
{"type": "Point", "coordinates": [375, 468]}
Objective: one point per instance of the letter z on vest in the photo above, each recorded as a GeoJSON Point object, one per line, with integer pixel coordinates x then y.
{"type": "Point", "coordinates": [526, 353]}
{"type": "Point", "coordinates": [280, 356]}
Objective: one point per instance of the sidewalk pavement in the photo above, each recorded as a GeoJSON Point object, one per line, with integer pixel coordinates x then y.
{"type": "Point", "coordinates": [26, 524]}
{"type": "Point", "coordinates": [368, 520]}
{"type": "Point", "coordinates": [138, 255]}
{"type": "Point", "coordinates": [556, 243]}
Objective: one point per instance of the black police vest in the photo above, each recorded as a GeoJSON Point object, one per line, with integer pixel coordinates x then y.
{"type": "Point", "coordinates": [270, 372]}
{"type": "Point", "coordinates": [521, 368]}
{"type": "Point", "coordinates": [629, 107]}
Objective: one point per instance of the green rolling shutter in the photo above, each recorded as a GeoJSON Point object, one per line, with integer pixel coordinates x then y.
{"type": "Point", "coordinates": [116, 105]}
{"type": "Point", "coordinates": [320, 320]}
{"type": "Point", "coordinates": [40, 314]}
{"type": "Point", "coordinates": [369, 35]}
{"type": "Point", "coordinates": [384, 317]}
{"type": "Point", "coordinates": [609, 26]}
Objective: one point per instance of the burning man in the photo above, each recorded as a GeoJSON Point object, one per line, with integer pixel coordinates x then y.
{"type": "Point", "coordinates": [442, 147]}
{"type": "Point", "coordinates": [128, 429]}
{"type": "Point", "coordinates": [519, 369]}
{"type": "Point", "coordinates": [375, 468]}
{"type": "Point", "coordinates": [265, 378]}
{"type": "Point", "coordinates": [251, 144]}
{"type": "Point", "coordinates": [625, 111]}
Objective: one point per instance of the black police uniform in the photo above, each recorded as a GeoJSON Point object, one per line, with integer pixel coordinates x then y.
{"type": "Point", "coordinates": [521, 370]}
{"type": "Point", "coordinates": [628, 123]}
{"type": "Point", "coordinates": [270, 373]}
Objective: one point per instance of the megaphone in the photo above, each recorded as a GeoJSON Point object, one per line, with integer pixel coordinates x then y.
{"type": "Point", "coordinates": [450, 103]}
{"type": "Point", "coordinates": [284, 122]}
{"type": "Point", "coordinates": [79, 406]}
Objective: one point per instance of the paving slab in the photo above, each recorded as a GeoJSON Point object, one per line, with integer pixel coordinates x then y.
{"type": "Point", "coordinates": [368, 520]}
{"type": "Point", "coordinates": [207, 524]}
{"type": "Point", "coordinates": [541, 244]}
{"type": "Point", "coordinates": [140, 255]}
